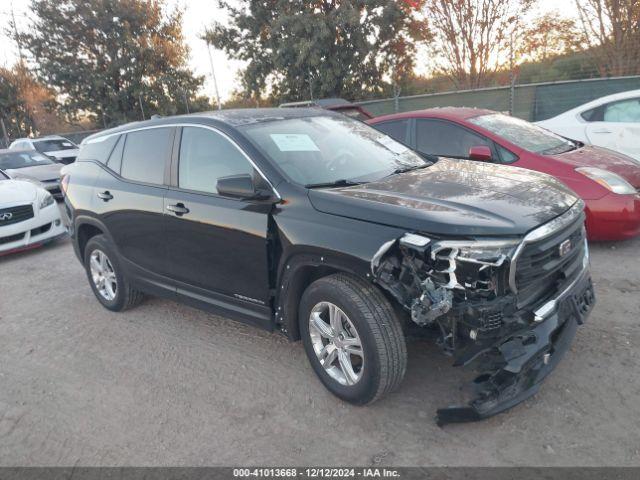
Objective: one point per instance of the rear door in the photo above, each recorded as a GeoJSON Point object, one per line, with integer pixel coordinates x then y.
{"type": "Point", "coordinates": [616, 126]}
{"type": "Point", "coordinates": [129, 196]}
{"type": "Point", "coordinates": [217, 245]}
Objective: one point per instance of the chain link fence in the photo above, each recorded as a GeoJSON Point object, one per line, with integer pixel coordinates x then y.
{"type": "Point", "coordinates": [531, 102]}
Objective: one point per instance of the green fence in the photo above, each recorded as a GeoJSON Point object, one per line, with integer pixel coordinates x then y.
{"type": "Point", "coordinates": [532, 102]}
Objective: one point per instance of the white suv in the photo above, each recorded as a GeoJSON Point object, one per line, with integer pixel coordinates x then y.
{"type": "Point", "coordinates": [61, 149]}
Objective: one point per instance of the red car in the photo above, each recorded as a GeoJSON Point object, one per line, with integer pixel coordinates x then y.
{"type": "Point", "coordinates": [607, 181]}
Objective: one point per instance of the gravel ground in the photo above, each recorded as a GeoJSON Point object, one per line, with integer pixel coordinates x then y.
{"type": "Point", "coordinates": [165, 384]}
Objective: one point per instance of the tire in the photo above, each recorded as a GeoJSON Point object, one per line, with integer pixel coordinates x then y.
{"type": "Point", "coordinates": [123, 295]}
{"type": "Point", "coordinates": [383, 349]}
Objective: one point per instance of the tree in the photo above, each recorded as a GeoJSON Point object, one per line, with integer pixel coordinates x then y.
{"type": "Point", "coordinates": [612, 30]}
{"type": "Point", "coordinates": [473, 37]}
{"type": "Point", "coordinates": [118, 60]}
{"type": "Point", "coordinates": [547, 36]}
{"type": "Point", "coordinates": [26, 106]}
{"type": "Point", "coordinates": [298, 49]}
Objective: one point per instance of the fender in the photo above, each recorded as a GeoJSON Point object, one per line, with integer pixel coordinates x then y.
{"type": "Point", "coordinates": [298, 271]}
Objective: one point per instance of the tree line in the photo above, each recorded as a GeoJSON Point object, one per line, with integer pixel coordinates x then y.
{"type": "Point", "coordinates": [98, 63]}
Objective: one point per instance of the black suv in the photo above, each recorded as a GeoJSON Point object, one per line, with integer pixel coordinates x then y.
{"type": "Point", "coordinates": [314, 224]}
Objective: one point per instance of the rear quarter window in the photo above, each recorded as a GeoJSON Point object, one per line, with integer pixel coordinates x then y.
{"type": "Point", "coordinates": [98, 149]}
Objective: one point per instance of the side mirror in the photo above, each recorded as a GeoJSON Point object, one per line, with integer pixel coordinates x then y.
{"type": "Point", "coordinates": [241, 186]}
{"type": "Point", "coordinates": [481, 153]}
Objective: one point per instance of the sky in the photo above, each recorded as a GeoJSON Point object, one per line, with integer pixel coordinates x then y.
{"type": "Point", "coordinates": [197, 15]}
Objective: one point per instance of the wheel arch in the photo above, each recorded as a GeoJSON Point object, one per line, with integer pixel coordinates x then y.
{"type": "Point", "coordinates": [297, 273]}
{"type": "Point", "coordinates": [86, 228]}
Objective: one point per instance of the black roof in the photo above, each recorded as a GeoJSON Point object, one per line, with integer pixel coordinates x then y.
{"type": "Point", "coordinates": [233, 118]}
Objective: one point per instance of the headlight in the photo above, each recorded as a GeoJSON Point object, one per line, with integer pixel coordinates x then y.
{"type": "Point", "coordinates": [469, 263]}
{"type": "Point", "coordinates": [609, 180]}
{"type": "Point", "coordinates": [483, 252]}
{"type": "Point", "coordinates": [44, 199]}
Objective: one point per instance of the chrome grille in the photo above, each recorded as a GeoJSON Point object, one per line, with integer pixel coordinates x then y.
{"type": "Point", "coordinates": [549, 258]}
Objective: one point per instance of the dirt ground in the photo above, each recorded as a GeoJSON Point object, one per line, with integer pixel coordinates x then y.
{"type": "Point", "coordinates": [165, 384]}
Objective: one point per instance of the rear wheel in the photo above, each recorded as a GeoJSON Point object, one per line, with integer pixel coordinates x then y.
{"type": "Point", "coordinates": [352, 338]}
{"type": "Point", "coordinates": [105, 276]}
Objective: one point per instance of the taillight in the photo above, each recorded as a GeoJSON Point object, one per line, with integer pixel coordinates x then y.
{"type": "Point", "coordinates": [64, 183]}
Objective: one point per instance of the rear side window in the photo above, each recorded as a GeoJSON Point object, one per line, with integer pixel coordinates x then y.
{"type": "Point", "coordinates": [397, 129]}
{"type": "Point", "coordinates": [206, 156]}
{"type": "Point", "coordinates": [145, 154]}
{"type": "Point", "coordinates": [97, 149]}
{"type": "Point", "coordinates": [446, 139]}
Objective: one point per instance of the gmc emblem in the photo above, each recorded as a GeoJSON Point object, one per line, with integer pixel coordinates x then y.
{"type": "Point", "coordinates": [565, 247]}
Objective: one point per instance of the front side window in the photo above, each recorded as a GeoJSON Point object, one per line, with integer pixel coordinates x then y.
{"type": "Point", "coordinates": [145, 154]}
{"type": "Point", "coordinates": [11, 160]}
{"type": "Point", "coordinates": [446, 139]}
{"type": "Point", "coordinates": [524, 134]}
{"type": "Point", "coordinates": [627, 111]}
{"type": "Point", "coordinates": [206, 156]}
{"type": "Point", "coordinates": [326, 149]}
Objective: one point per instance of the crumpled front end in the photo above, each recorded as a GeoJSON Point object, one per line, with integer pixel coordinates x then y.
{"type": "Point", "coordinates": [508, 308]}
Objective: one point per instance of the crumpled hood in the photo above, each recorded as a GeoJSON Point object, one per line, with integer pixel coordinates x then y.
{"type": "Point", "coordinates": [589, 156]}
{"type": "Point", "coordinates": [453, 198]}
{"type": "Point", "coordinates": [39, 172]}
{"type": "Point", "coordinates": [16, 192]}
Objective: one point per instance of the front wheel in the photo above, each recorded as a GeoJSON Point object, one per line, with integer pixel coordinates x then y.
{"type": "Point", "coordinates": [352, 337]}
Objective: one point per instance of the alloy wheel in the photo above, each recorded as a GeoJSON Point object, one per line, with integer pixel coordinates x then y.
{"type": "Point", "coordinates": [336, 343]}
{"type": "Point", "coordinates": [103, 275]}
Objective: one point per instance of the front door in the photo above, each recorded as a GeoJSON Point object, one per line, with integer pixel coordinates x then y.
{"type": "Point", "coordinates": [217, 245]}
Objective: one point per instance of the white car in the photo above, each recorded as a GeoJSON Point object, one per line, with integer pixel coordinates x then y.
{"type": "Point", "coordinates": [612, 122]}
{"type": "Point", "coordinates": [61, 149]}
{"type": "Point", "coordinates": [29, 216]}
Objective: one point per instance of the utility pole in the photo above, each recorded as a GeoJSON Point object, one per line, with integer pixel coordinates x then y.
{"type": "Point", "coordinates": [4, 133]}
{"type": "Point", "coordinates": [141, 107]}
{"type": "Point", "coordinates": [512, 77]}
{"type": "Point", "coordinates": [16, 36]}
{"type": "Point", "coordinates": [213, 74]}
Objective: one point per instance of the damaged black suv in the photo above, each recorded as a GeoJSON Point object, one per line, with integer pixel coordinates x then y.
{"type": "Point", "coordinates": [314, 224]}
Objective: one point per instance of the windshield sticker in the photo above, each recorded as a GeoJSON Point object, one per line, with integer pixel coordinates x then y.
{"type": "Point", "coordinates": [294, 142]}
{"type": "Point", "coordinates": [390, 144]}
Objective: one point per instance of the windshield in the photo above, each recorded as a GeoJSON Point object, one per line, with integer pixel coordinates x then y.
{"type": "Point", "coordinates": [331, 149]}
{"type": "Point", "coordinates": [22, 160]}
{"type": "Point", "coordinates": [524, 134]}
{"type": "Point", "coordinates": [53, 145]}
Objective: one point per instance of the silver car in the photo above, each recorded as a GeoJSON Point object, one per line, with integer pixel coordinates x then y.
{"type": "Point", "coordinates": [33, 166]}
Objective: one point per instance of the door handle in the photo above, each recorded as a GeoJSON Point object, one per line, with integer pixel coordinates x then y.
{"type": "Point", "coordinates": [179, 209]}
{"type": "Point", "coordinates": [106, 195]}
{"type": "Point", "coordinates": [603, 130]}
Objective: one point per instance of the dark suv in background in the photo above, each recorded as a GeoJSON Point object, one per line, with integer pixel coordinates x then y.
{"type": "Point", "coordinates": [314, 224]}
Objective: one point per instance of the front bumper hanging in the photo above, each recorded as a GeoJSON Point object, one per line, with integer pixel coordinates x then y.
{"type": "Point", "coordinates": [517, 363]}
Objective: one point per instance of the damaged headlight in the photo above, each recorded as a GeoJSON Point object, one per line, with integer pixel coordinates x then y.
{"type": "Point", "coordinates": [462, 264]}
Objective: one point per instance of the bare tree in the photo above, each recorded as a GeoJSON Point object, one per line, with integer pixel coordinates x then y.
{"type": "Point", "coordinates": [547, 36]}
{"type": "Point", "coordinates": [611, 28]}
{"type": "Point", "coordinates": [473, 37]}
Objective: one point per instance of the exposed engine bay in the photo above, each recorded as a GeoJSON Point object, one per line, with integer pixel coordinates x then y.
{"type": "Point", "coordinates": [462, 289]}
